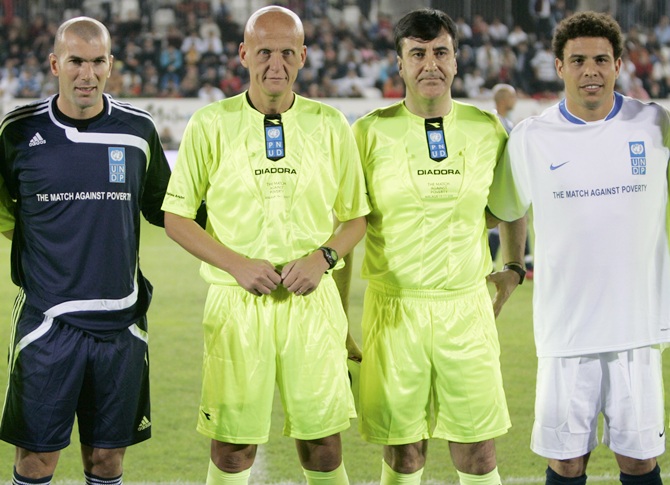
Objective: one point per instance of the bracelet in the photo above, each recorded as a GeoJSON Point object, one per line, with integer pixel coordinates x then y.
{"type": "Point", "coordinates": [517, 268]}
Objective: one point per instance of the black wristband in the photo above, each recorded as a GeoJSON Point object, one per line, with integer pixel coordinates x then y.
{"type": "Point", "coordinates": [518, 269]}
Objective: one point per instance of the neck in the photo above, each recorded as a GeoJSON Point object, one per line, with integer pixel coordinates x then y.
{"type": "Point", "coordinates": [270, 105]}
{"type": "Point", "coordinates": [429, 108]}
{"type": "Point", "coordinates": [586, 113]}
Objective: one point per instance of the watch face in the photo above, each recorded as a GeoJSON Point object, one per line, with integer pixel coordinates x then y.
{"type": "Point", "coordinates": [331, 256]}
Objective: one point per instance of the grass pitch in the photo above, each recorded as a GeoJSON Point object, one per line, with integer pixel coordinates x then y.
{"type": "Point", "coordinates": [177, 454]}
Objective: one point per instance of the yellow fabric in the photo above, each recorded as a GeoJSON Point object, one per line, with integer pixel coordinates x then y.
{"type": "Point", "coordinates": [219, 477]}
{"type": "Point", "coordinates": [251, 343]}
{"type": "Point", "coordinates": [6, 208]}
{"type": "Point", "coordinates": [430, 357]}
{"type": "Point", "coordinates": [427, 227]}
{"type": "Point", "coordinates": [392, 477]}
{"type": "Point", "coordinates": [491, 478]}
{"type": "Point", "coordinates": [335, 477]}
{"type": "Point", "coordinates": [274, 210]}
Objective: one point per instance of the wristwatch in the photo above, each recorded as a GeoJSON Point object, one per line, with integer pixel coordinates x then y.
{"type": "Point", "coordinates": [518, 269]}
{"type": "Point", "coordinates": [331, 256]}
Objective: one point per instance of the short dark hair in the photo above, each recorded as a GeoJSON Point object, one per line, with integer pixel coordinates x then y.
{"type": "Point", "coordinates": [588, 24]}
{"type": "Point", "coordinates": [425, 24]}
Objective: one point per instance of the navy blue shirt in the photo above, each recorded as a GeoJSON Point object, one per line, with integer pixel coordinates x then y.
{"type": "Point", "coordinates": [79, 190]}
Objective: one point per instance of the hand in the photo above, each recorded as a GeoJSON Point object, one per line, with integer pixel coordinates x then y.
{"type": "Point", "coordinates": [353, 350]}
{"type": "Point", "coordinates": [257, 276]}
{"type": "Point", "coordinates": [303, 275]}
{"type": "Point", "coordinates": [505, 282]}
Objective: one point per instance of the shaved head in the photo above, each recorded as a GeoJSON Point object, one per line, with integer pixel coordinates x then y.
{"type": "Point", "coordinates": [85, 28]}
{"type": "Point", "coordinates": [275, 17]}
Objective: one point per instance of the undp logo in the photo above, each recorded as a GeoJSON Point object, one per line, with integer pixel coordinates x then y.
{"type": "Point", "coordinates": [274, 133]}
{"type": "Point", "coordinates": [435, 136]}
{"type": "Point", "coordinates": [116, 155]}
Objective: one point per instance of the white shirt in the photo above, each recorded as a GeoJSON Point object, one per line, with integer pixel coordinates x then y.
{"type": "Point", "coordinates": [599, 192]}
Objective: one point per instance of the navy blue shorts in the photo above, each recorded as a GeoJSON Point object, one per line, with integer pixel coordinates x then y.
{"type": "Point", "coordinates": [58, 372]}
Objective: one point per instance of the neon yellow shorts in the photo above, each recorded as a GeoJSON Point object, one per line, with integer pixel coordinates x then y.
{"type": "Point", "coordinates": [430, 367]}
{"type": "Point", "coordinates": [251, 343]}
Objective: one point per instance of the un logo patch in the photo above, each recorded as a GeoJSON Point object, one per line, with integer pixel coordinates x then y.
{"type": "Point", "coordinates": [274, 137]}
{"type": "Point", "coordinates": [117, 164]}
{"type": "Point", "coordinates": [638, 157]}
{"type": "Point", "coordinates": [437, 148]}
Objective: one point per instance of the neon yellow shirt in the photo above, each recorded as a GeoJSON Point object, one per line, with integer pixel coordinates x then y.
{"type": "Point", "coordinates": [427, 228]}
{"type": "Point", "coordinates": [274, 210]}
{"type": "Point", "coordinates": [6, 208]}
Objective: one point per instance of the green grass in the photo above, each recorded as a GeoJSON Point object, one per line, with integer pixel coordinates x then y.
{"type": "Point", "coordinates": [177, 453]}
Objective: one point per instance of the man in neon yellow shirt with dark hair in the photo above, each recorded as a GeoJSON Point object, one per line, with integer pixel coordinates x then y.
{"type": "Point", "coordinates": [273, 168]}
{"type": "Point", "coordinates": [429, 336]}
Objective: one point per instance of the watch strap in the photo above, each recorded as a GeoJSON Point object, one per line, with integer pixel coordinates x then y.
{"type": "Point", "coordinates": [328, 254]}
{"type": "Point", "coordinates": [518, 269]}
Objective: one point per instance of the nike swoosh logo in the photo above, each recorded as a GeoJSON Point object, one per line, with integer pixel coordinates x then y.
{"type": "Point", "coordinates": [660, 435]}
{"type": "Point", "coordinates": [554, 167]}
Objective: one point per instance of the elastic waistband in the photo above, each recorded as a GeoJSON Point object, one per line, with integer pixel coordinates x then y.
{"type": "Point", "coordinates": [385, 289]}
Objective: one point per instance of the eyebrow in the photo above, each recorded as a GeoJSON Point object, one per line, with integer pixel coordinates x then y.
{"type": "Point", "coordinates": [424, 49]}
{"type": "Point", "coordinates": [584, 56]}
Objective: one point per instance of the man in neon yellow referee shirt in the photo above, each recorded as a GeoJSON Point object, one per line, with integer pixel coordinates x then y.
{"type": "Point", "coordinates": [273, 168]}
{"type": "Point", "coordinates": [430, 347]}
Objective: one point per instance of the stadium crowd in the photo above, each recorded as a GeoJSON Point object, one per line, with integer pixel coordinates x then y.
{"type": "Point", "coordinates": [189, 50]}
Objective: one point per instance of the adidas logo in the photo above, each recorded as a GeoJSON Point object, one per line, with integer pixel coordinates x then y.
{"type": "Point", "coordinates": [144, 424]}
{"type": "Point", "coordinates": [37, 140]}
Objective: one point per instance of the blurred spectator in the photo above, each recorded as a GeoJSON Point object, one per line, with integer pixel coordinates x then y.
{"type": "Point", "coordinates": [662, 30]}
{"type": "Point", "coordinates": [637, 90]}
{"type": "Point", "coordinates": [190, 83]}
{"type": "Point", "coordinates": [628, 13]}
{"type": "Point", "coordinates": [211, 45]}
{"type": "Point", "coordinates": [393, 87]}
{"type": "Point", "coordinates": [507, 66]}
{"type": "Point", "coordinates": [192, 41]}
{"type": "Point", "coordinates": [171, 63]}
{"type": "Point", "coordinates": [170, 90]}
{"type": "Point", "coordinates": [351, 85]}
{"type": "Point", "coordinates": [488, 61]}
{"type": "Point", "coordinates": [474, 83]}
{"type": "Point", "coordinates": [150, 80]}
{"type": "Point", "coordinates": [114, 84]}
{"type": "Point", "coordinates": [210, 93]}
{"type": "Point", "coordinates": [30, 79]}
{"type": "Point", "coordinates": [540, 11]}
{"type": "Point", "coordinates": [231, 84]}
{"type": "Point", "coordinates": [132, 84]}
{"type": "Point", "coordinates": [9, 82]}
{"type": "Point", "coordinates": [464, 31]}
{"type": "Point", "coordinates": [208, 27]}
{"type": "Point", "coordinates": [641, 59]}
{"type": "Point", "coordinates": [517, 36]}
{"type": "Point", "coordinates": [480, 31]}
{"type": "Point", "coordinates": [131, 57]}
{"type": "Point", "coordinates": [149, 51]}
{"type": "Point", "coordinates": [498, 32]}
{"type": "Point", "coordinates": [547, 82]}
{"type": "Point", "coordinates": [370, 70]}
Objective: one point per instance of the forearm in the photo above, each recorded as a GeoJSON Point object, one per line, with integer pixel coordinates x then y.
{"type": "Point", "coordinates": [513, 240]}
{"type": "Point", "coordinates": [342, 279]}
{"type": "Point", "coordinates": [347, 235]}
{"type": "Point", "coordinates": [194, 239]}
